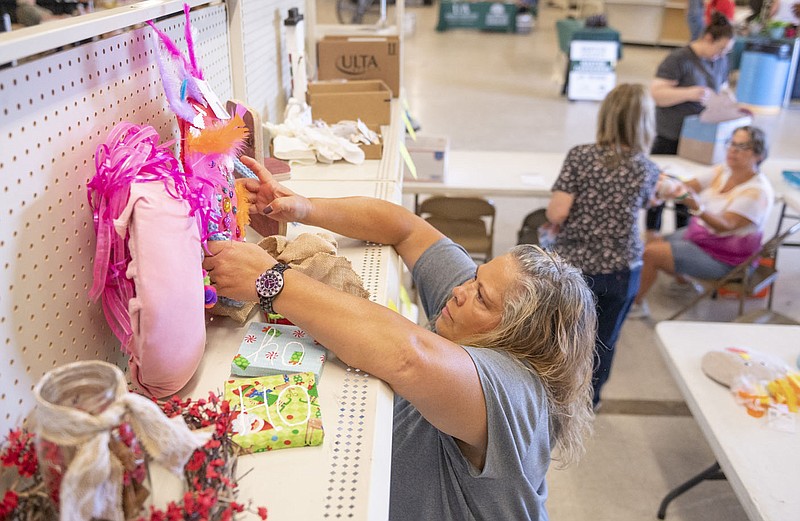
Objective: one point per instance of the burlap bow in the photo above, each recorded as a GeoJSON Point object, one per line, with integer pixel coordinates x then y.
{"type": "Point", "coordinates": [314, 254]}
{"type": "Point", "coordinates": [92, 484]}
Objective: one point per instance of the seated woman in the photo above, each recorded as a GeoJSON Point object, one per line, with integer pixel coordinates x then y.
{"type": "Point", "coordinates": [503, 377]}
{"type": "Point", "coordinates": [728, 215]}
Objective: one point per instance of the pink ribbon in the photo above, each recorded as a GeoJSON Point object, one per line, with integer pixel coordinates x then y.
{"type": "Point", "coordinates": [131, 154]}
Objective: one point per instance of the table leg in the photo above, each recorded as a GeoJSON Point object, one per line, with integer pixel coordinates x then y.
{"type": "Point", "coordinates": [784, 215]}
{"type": "Point", "coordinates": [712, 472]}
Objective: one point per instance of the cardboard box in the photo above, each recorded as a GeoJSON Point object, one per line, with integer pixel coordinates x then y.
{"type": "Point", "coordinates": [705, 142]}
{"type": "Point", "coordinates": [429, 154]}
{"type": "Point", "coordinates": [375, 150]}
{"type": "Point", "coordinates": [367, 100]}
{"type": "Point", "coordinates": [360, 58]}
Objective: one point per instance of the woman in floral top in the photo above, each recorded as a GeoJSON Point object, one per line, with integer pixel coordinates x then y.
{"type": "Point", "coordinates": [594, 208]}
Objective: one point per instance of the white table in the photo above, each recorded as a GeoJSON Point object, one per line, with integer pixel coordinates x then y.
{"type": "Point", "coordinates": [479, 173]}
{"type": "Point", "coordinates": [760, 463]}
{"type": "Point", "coordinates": [532, 174]}
{"type": "Point", "coordinates": [483, 173]}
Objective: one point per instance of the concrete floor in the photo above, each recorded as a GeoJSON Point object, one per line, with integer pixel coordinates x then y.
{"type": "Point", "coordinates": [491, 91]}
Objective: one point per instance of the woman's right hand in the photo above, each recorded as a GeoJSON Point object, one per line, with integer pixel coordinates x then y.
{"type": "Point", "coordinates": [668, 188]}
{"type": "Point", "coordinates": [692, 202]}
{"type": "Point", "coordinates": [275, 200]}
{"type": "Point", "coordinates": [699, 94]}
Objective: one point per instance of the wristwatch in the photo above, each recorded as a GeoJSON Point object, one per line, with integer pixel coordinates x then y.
{"type": "Point", "coordinates": [269, 285]}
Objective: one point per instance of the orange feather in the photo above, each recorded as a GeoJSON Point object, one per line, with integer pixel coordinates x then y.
{"type": "Point", "coordinates": [243, 212]}
{"type": "Point", "coordinates": [226, 137]}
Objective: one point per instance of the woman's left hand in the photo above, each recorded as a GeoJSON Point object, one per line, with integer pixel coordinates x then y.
{"type": "Point", "coordinates": [234, 267]}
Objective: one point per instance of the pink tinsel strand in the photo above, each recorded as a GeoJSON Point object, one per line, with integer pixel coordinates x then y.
{"type": "Point", "coordinates": [196, 71]}
{"type": "Point", "coordinates": [173, 50]}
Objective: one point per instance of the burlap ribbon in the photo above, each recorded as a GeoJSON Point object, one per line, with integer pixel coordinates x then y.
{"type": "Point", "coordinates": [92, 484]}
{"type": "Point", "coordinates": [314, 254]}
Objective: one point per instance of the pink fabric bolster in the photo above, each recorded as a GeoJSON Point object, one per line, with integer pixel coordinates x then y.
{"type": "Point", "coordinates": [167, 313]}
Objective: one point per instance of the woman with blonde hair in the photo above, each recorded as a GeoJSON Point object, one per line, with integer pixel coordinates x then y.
{"type": "Point", "coordinates": [502, 378]}
{"type": "Point", "coordinates": [594, 212]}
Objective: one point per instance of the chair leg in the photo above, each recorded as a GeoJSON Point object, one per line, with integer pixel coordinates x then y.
{"type": "Point", "coordinates": [737, 272]}
{"type": "Point", "coordinates": [695, 300]}
{"type": "Point", "coordinates": [712, 472]}
{"type": "Point", "coordinates": [742, 296]}
{"type": "Point", "coordinates": [771, 294]}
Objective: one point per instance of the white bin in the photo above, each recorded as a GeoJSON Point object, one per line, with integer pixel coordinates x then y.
{"type": "Point", "coordinates": [429, 154]}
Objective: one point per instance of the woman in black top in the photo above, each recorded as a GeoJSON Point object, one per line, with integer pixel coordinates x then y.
{"type": "Point", "coordinates": [684, 82]}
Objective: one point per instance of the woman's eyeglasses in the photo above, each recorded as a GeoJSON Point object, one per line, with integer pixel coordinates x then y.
{"type": "Point", "coordinates": [742, 147]}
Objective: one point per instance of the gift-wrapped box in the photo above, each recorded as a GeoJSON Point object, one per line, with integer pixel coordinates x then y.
{"type": "Point", "coordinates": [275, 412]}
{"type": "Point", "coordinates": [277, 348]}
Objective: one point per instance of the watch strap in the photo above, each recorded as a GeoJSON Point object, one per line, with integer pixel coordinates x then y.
{"type": "Point", "coordinates": [265, 301]}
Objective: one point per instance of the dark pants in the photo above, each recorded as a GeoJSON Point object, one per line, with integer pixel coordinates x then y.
{"type": "Point", "coordinates": [614, 293]}
{"type": "Point", "coordinates": [662, 145]}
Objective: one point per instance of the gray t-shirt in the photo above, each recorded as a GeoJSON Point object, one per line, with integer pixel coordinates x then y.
{"type": "Point", "coordinates": [431, 480]}
{"type": "Point", "coordinates": [688, 69]}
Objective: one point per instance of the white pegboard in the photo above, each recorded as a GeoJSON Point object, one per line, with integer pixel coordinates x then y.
{"type": "Point", "coordinates": [266, 64]}
{"type": "Point", "coordinates": [55, 111]}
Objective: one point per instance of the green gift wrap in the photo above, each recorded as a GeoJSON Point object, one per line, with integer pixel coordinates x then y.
{"type": "Point", "coordinates": [275, 412]}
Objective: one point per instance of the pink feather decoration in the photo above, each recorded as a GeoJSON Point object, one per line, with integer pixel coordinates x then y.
{"type": "Point", "coordinates": [190, 44]}
{"type": "Point", "coordinates": [178, 75]}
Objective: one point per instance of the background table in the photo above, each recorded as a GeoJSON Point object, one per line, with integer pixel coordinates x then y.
{"type": "Point", "coordinates": [772, 168]}
{"type": "Point", "coordinates": [760, 463]}
{"type": "Point", "coordinates": [532, 174]}
{"type": "Point", "coordinates": [476, 173]}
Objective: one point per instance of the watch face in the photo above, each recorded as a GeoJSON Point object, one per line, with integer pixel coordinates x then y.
{"type": "Point", "coordinates": [269, 284]}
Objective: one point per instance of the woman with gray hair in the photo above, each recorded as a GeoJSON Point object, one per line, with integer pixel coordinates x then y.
{"type": "Point", "coordinates": [501, 378]}
{"type": "Point", "coordinates": [729, 209]}
{"type": "Point", "coordinates": [595, 209]}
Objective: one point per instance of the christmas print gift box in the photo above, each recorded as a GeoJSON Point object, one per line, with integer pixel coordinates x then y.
{"type": "Point", "coordinates": [275, 349]}
{"type": "Point", "coordinates": [275, 412]}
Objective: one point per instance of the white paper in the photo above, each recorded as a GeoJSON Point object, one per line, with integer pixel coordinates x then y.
{"type": "Point", "coordinates": [780, 419]}
{"type": "Point", "coordinates": [533, 180]}
{"type": "Point", "coordinates": [676, 171]}
{"type": "Point", "coordinates": [213, 100]}
{"type": "Point", "coordinates": [720, 107]}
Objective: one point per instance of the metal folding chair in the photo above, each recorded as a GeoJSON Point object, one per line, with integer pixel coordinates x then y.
{"type": "Point", "coordinates": [468, 221]}
{"type": "Point", "coordinates": [745, 279]}
{"type": "Point", "coordinates": [529, 232]}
